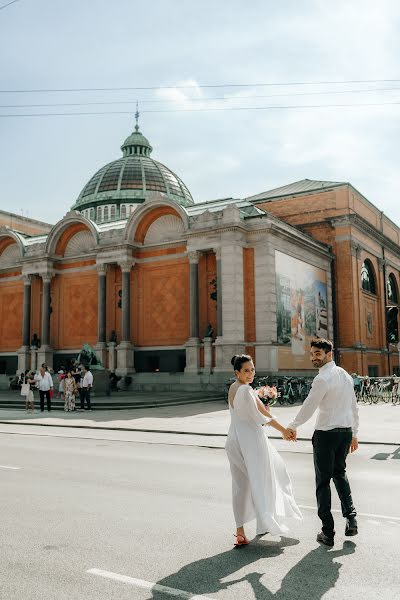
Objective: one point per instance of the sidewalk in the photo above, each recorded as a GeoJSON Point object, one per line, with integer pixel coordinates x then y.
{"type": "Point", "coordinates": [379, 424]}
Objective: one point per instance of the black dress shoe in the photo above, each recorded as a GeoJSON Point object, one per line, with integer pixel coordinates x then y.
{"type": "Point", "coordinates": [324, 539]}
{"type": "Point", "coordinates": [351, 526]}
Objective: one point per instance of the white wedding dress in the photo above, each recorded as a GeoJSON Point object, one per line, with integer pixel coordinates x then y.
{"type": "Point", "coordinates": [261, 486]}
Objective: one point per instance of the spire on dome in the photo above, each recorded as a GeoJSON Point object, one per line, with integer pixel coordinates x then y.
{"type": "Point", "coordinates": [137, 117]}
{"type": "Point", "coordinates": [136, 143]}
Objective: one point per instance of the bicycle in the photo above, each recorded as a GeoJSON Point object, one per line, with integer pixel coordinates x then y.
{"type": "Point", "coordinates": [288, 392]}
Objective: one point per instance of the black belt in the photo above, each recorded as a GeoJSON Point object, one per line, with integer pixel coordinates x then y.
{"type": "Point", "coordinates": [347, 429]}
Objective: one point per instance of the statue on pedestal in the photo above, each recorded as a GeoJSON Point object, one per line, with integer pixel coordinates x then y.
{"type": "Point", "coordinates": [35, 341]}
{"type": "Point", "coordinates": [209, 331]}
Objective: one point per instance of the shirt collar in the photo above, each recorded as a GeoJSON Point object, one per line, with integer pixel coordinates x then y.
{"type": "Point", "coordinates": [327, 366]}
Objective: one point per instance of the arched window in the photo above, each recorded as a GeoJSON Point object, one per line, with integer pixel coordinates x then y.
{"type": "Point", "coordinates": [105, 213]}
{"type": "Point", "coordinates": [367, 277]}
{"type": "Point", "coordinates": [99, 214]}
{"type": "Point", "coordinates": [112, 212]}
{"type": "Point", "coordinates": [123, 211]}
{"type": "Point", "coordinates": [92, 214]}
{"type": "Point", "coordinates": [392, 290]}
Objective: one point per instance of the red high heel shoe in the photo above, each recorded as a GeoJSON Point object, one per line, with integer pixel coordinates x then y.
{"type": "Point", "coordinates": [241, 540]}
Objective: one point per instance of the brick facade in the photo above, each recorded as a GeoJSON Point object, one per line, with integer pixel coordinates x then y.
{"type": "Point", "coordinates": [355, 230]}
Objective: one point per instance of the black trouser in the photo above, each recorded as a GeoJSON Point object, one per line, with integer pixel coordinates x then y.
{"type": "Point", "coordinates": [85, 395]}
{"type": "Point", "coordinates": [42, 395]}
{"type": "Point", "coordinates": [330, 452]}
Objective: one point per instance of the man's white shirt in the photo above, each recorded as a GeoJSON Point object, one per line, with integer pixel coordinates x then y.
{"type": "Point", "coordinates": [44, 382]}
{"type": "Point", "coordinates": [87, 380]}
{"type": "Point", "coordinates": [332, 392]}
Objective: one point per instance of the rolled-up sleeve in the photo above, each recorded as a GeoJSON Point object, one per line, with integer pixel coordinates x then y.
{"type": "Point", "coordinates": [246, 407]}
{"type": "Point", "coordinates": [311, 403]}
{"type": "Point", "coordinates": [354, 410]}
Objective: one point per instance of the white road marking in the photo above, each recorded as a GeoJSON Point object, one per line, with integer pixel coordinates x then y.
{"type": "Point", "coordinates": [14, 468]}
{"type": "Point", "coordinates": [372, 522]}
{"type": "Point", "coordinates": [359, 514]}
{"type": "Point", "coordinates": [147, 585]}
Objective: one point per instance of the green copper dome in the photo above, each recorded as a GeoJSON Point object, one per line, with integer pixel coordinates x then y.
{"type": "Point", "coordinates": [116, 188]}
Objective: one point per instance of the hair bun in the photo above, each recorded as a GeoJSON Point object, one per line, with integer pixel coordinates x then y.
{"type": "Point", "coordinates": [233, 359]}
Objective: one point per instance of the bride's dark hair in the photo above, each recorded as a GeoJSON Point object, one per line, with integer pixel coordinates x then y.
{"type": "Point", "coordinates": [238, 361]}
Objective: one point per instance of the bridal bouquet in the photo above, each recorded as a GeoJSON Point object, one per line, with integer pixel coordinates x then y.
{"type": "Point", "coordinates": [268, 393]}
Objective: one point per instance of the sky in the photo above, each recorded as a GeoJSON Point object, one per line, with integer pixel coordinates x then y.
{"type": "Point", "coordinates": [176, 47]}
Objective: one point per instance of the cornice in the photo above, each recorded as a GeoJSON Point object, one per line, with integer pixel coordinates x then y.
{"type": "Point", "coordinates": [366, 227]}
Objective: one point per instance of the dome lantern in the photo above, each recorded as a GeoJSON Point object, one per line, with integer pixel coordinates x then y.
{"type": "Point", "coordinates": [136, 143]}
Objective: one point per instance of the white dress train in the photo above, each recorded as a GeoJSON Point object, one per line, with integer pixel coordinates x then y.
{"type": "Point", "coordinates": [261, 486]}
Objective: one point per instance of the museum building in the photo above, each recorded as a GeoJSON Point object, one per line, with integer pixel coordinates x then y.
{"type": "Point", "coordinates": [166, 289]}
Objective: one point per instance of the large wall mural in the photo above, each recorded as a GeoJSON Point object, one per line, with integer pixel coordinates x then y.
{"type": "Point", "coordinates": [301, 309]}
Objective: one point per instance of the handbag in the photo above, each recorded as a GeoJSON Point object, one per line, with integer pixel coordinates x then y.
{"type": "Point", "coordinates": [25, 388]}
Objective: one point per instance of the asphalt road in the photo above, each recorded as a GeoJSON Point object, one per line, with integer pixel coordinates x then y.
{"type": "Point", "coordinates": [101, 515]}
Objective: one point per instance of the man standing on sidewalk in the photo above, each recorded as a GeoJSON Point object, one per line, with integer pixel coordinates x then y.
{"type": "Point", "coordinates": [87, 383]}
{"type": "Point", "coordinates": [45, 384]}
{"type": "Point", "coordinates": [336, 428]}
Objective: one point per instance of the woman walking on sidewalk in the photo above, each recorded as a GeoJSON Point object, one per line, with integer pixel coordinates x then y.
{"type": "Point", "coordinates": [261, 486]}
{"type": "Point", "coordinates": [69, 392]}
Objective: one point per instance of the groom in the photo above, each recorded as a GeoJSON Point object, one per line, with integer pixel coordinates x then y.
{"type": "Point", "coordinates": [332, 392]}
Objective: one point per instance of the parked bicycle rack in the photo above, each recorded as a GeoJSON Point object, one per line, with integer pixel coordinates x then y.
{"type": "Point", "coordinates": [289, 389]}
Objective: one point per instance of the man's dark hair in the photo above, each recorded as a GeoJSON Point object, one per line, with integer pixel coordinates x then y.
{"type": "Point", "coordinates": [322, 344]}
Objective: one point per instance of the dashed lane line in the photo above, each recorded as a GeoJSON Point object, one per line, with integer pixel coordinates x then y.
{"type": "Point", "coordinates": [147, 585]}
{"type": "Point", "coordinates": [13, 468]}
{"type": "Point", "coordinates": [359, 514]}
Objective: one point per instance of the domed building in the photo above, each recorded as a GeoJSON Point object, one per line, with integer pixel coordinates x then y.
{"type": "Point", "coordinates": [120, 186]}
{"type": "Point", "coordinates": [165, 289]}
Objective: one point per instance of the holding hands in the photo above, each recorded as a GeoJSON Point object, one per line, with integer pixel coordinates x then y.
{"type": "Point", "coordinates": [290, 435]}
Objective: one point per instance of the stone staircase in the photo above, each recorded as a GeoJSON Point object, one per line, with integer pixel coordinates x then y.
{"type": "Point", "coordinates": [121, 400]}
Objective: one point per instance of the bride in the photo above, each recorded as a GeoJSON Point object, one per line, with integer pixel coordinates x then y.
{"type": "Point", "coordinates": [261, 486]}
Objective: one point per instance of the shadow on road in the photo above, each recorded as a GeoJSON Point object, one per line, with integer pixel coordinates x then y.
{"type": "Point", "coordinates": [386, 455]}
{"type": "Point", "coordinates": [312, 577]}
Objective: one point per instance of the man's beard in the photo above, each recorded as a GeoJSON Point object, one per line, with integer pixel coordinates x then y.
{"type": "Point", "coordinates": [319, 363]}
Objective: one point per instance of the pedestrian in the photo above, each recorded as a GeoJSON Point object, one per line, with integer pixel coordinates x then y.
{"type": "Point", "coordinates": [261, 486]}
{"type": "Point", "coordinates": [45, 385]}
{"type": "Point", "coordinates": [69, 392]}
{"type": "Point", "coordinates": [61, 377]}
{"type": "Point", "coordinates": [25, 380]}
{"type": "Point", "coordinates": [336, 428]}
{"type": "Point", "coordinates": [87, 384]}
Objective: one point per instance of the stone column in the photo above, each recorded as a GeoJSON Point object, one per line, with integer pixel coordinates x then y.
{"type": "Point", "coordinates": [45, 352]}
{"type": "Point", "coordinates": [112, 363]}
{"type": "Point", "coordinates": [265, 304]}
{"type": "Point", "coordinates": [126, 303]}
{"type": "Point", "coordinates": [101, 346]}
{"type": "Point", "coordinates": [193, 343]}
{"type": "Point", "coordinates": [34, 356]}
{"type": "Point", "coordinates": [23, 352]}
{"type": "Point", "coordinates": [125, 355]}
{"type": "Point", "coordinates": [219, 292]}
{"type": "Point", "coordinates": [207, 355]}
{"type": "Point", "coordinates": [230, 305]}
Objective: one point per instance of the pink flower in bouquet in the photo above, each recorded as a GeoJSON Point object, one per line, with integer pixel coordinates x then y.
{"type": "Point", "coordinates": [267, 391]}
{"type": "Point", "coordinates": [271, 392]}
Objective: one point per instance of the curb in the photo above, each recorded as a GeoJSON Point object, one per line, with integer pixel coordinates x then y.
{"type": "Point", "coordinates": [171, 431]}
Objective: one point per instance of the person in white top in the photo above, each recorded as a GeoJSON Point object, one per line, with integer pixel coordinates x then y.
{"type": "Point", "coordinates": [45, 383]}
{"type": "Point", "coordinates": [261, 487]}
{"type": "Point", "coordinates": [87, 384]}
{"type": "Point", "coordinates": [336, 430]}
